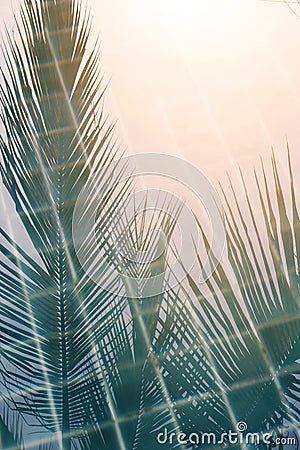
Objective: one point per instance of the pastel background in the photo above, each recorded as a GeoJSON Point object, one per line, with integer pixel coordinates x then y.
{"type": "Point", "coordinates": [214, 81]}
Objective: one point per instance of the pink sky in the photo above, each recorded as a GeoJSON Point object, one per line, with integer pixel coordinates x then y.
{"type": "Point", "coordinates": [215, 81]}
{"type": "Point", "coordinates": [219, 87]}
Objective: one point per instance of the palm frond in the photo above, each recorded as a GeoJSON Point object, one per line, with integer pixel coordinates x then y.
{"type": "Point", "coordinates": [10, 431]}
{"type": "Point", "coordinates": [109, 368]}
{"type": "Point", "coordinates": [250, 313]}
{"type": "Point", "coordinates": [50, 99]}
{"type": "Point", "coordinates": [76, 357]}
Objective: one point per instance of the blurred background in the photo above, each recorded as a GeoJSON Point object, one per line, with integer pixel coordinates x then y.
{"type": "Point", "coordinates": [214, 81]}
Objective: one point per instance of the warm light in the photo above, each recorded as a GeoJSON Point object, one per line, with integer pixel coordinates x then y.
{"type": "Point", "coordinates": [204, 14]}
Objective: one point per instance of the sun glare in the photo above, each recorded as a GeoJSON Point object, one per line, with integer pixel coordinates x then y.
{"type": "Point", "coordinates": [205, 14]}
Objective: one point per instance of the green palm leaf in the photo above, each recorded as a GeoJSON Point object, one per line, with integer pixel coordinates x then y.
{"type": "Point", "coordinates": [49, 102]}
{"type": "Point", "coordinates": [251, 313]}
{"type": "Point", "coordinates": [10, 433]}
{"type": "Point", "coordinates": [110, 370]}
{"type": "Point", "coordinates": [77, 359]}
